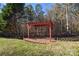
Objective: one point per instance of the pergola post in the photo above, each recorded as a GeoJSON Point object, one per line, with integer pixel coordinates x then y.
{"type": "Point", "coordinates": [50, 32]}
{"type": "Point", "coordinates": [28, 29]}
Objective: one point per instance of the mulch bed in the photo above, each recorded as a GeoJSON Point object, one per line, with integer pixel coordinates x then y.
{"type": "Point", "coordinates": [41, 41]}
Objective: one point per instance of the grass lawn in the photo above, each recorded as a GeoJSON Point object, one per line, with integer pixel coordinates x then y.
{"type": "Point", "coordinates": [15, 47]}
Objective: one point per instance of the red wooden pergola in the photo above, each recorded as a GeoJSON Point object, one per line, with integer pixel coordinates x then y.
{"type": "Point", "coordinates": [49, 25]}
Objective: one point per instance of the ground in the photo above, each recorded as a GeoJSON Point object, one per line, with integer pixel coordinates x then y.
{"type": "Point", "coordinates": [14, 47]}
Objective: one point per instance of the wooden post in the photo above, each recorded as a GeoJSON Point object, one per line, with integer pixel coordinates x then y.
{"type": "Point", "coordinates": [28, 29]}
{"type": "Point", "coordinates": [50, 32]}
{"type": "Point", "coordinates": [22, 26]}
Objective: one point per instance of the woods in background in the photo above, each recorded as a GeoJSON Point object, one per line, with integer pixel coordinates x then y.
{"type": "Point", "coordinates": [65, 17]}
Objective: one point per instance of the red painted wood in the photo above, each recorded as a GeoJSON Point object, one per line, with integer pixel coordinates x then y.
{"type": "Point", "coordinates": [47, 23]}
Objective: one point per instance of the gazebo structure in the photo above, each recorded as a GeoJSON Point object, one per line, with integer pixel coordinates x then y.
{"type": "Point", "coordinates": [48, 24]}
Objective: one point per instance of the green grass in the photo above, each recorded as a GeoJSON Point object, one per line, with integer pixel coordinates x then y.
{"type": "Point", "coordinates": [15, 47]}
